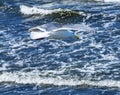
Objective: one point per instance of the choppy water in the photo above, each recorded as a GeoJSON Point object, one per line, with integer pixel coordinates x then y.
{"type": "Point", "coordinates": [88, 66]}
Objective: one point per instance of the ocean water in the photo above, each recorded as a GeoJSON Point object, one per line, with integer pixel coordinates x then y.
{"type": "Point", "coordinates": [88, 66]}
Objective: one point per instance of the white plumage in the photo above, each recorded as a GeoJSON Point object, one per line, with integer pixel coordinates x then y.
{"type": "Point", "coordinates": [60, 33]}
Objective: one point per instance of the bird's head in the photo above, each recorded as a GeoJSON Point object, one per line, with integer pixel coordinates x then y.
{"type": "Point", "coordinates": [76, 37]}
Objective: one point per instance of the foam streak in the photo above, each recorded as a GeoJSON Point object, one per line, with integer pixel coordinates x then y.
{"type": "Point", "coordinates": [32, 78]}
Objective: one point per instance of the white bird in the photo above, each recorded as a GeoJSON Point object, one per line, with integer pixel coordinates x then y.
{"type": "Point", "coordinates": [60, 33]}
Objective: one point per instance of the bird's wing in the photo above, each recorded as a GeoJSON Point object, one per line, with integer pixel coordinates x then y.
{"type": "Point", "coordinates": [64, 29]}
{"type": "Point", "coordinates": [39, 35]}
{"type": "Point", "coordinates": [37, 29]}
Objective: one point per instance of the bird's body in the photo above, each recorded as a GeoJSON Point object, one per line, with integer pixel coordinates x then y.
{"type": "Point", "coordinates": [60, 33]}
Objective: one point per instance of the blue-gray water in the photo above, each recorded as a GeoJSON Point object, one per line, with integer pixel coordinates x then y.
{"type": "Point", "coordinates": [88, 66]}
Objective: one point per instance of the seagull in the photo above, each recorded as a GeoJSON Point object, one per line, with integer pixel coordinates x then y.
{"type": "Point", "coordinates": [60, 33]}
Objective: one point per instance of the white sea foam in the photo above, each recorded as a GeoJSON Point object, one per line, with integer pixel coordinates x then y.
{"type": "Point", "coordinates": [2, 31]}
{"type": "Point", "coordinates": [108, 0]}
{"type": "Point", "coordinates": [35, 78]}
{"type": "Point", "coordinates": [111, 0]}
{"type": "Point", "coordinates": [37, 10]}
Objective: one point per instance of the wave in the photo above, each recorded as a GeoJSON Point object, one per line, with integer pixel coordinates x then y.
{"type": "Point", "coordinates": [35, 78]}
{"type": "Point", "coordinates": [53, 15]}
{"type": "Point", "coordinates": [100, 0]}
{"type": "Point", "coordinates": [35, 10]}
{"type": "Point", "coordinates": [108, 0]}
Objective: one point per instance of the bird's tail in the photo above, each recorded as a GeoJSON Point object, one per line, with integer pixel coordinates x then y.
{"type": "Point", "coordinates": [39, 35]}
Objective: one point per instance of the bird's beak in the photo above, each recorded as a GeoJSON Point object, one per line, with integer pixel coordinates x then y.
{"type": "Point", "coordinates": [77, 37]}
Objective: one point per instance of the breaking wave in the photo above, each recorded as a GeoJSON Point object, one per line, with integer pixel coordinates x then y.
{"type": "Point", "coordinates": [36, 10]}
{"type": "Point", "coordinates": [35, 78]}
